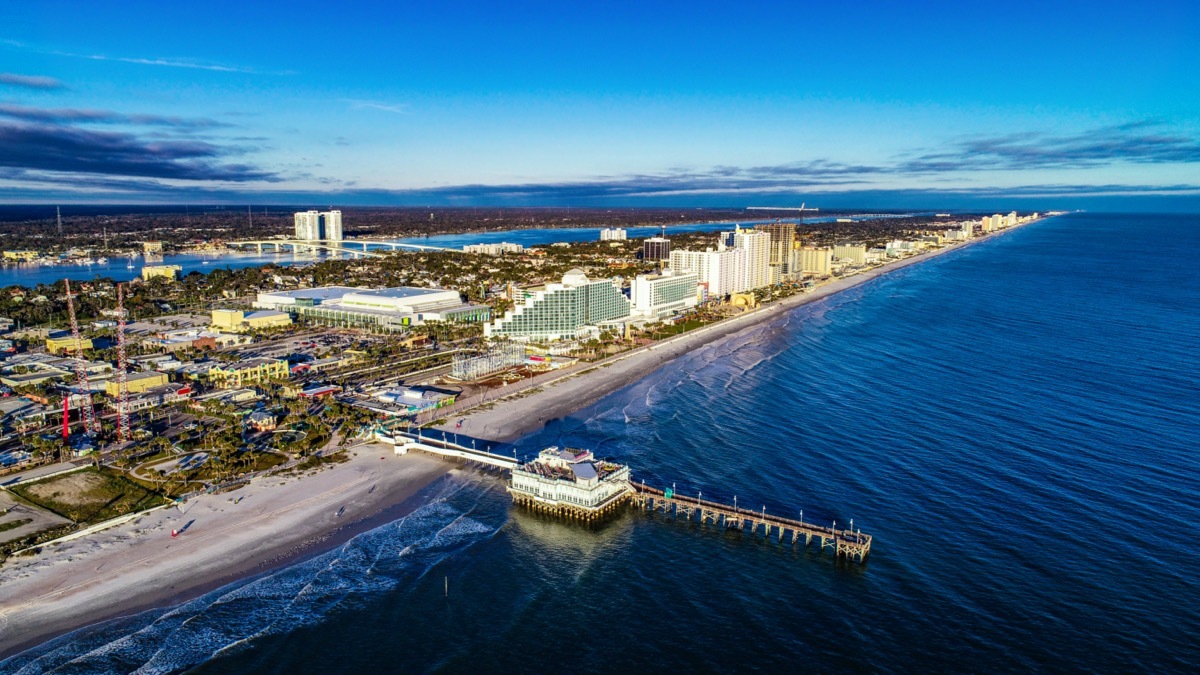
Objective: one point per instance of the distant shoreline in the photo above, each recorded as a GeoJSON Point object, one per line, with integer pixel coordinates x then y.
{"type": "Point", "coordinates": [506, 419]}
{"type": "Point", "coordinates": [89, 600]}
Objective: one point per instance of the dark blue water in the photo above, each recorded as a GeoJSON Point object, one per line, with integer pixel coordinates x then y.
{"type": "Point", "coordinates": [1015, 422]}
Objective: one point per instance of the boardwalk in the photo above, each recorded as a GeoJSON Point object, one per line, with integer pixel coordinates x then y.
{"type": "Point", "coordinates": [853, 545]}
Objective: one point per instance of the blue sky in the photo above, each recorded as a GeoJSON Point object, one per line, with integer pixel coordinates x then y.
{"type": "Point", "coordinates": [1093, 105]}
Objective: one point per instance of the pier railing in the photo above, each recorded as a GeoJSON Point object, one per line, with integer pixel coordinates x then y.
{"type": "Point", "coordinates": [850, 544]}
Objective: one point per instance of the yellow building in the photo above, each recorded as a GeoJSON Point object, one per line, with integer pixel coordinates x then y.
{"type": "Point", "coordinates": [22, 256]}
{"type": "Point", "coordinates": [66, 345]}
{"type": "Point", "coordinates": [152, 247]}
{"type": "Point", "coordinates": [136, 383]}
{"type": "Point", "coordinates": [236, 321]}
{"type": "Point", "coordinates": [166, 271]}
{"type": "Point", "coordinates": [250, 371]}
{"type": "Point", "coordinates": [815, 260]}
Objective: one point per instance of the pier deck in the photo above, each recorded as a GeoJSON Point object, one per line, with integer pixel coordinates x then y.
{"type": "Point", "coordinates": [852, 545]}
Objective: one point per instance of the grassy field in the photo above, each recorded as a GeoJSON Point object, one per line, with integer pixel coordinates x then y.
{"type": "Point", "coordinates": [89, 496]}
{"type": "Point", "coordinates": [14, 524]}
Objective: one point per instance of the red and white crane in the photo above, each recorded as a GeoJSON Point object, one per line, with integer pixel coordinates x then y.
{"type": "Point", "coordinates": [123, 432]}
{"type": "Point", "coordinates": [87, 412]}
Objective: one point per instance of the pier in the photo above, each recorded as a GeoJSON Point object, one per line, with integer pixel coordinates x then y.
{"type": "Point", "coordinates": [845, 543]}
{"type": "Point", "coordinates": [573, 484]}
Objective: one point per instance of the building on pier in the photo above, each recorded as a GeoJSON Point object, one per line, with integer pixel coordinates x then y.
{"type": "Point", "coordinates": [570, 482]}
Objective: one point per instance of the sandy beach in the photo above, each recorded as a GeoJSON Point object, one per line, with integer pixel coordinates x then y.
{"type": "Point", "coordinates": [509, 418]}
{"type": "Point", "coordinates": [139, 566]}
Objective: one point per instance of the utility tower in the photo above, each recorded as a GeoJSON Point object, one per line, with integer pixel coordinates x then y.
{"type": "Point", "coordinates": [87, 412]}
{"type": "Point", "coordinates": [123, 433]}
{"type": "Point", "coordinates": [58, 216]}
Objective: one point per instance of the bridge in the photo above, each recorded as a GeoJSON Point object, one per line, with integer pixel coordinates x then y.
{"type": "Point", "coordinates": [846, 543]}
{"type": "Point", "coordinates": [440, 444]}
{"type": "Point", "coordinates": [334, 245]}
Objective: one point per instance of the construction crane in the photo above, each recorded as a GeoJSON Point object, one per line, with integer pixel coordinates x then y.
{"type": "Point", "coordinates": [123, 432]}
{"type": "Point", "coordinates": [87, 412]}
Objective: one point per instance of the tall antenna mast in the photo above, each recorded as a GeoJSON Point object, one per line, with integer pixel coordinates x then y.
{"type": "Point", "coordinates": [250, 212]}
{"type": "Point", "coordinates": [123, 433]}
{"type": "Point", "coordinates": [58, 215]}
{"type": "Point", "coordinates": [88, 413]}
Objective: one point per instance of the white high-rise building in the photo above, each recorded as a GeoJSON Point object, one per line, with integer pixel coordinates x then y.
{"type": "Point", "coordinates": [331, 225]}
{"type": "Point", "coordinates": [722, 272]}
{"type": "Point", "coordinates": [308, 225]}
{"type": "Point", "coordinates": [758, 257]}
{"type": "Point", "coordinates": [968, 228]}
{"type": "Point", "coordinates": [612, 234]}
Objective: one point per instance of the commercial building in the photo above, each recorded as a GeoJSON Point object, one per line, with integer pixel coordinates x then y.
{"type": "Point", "coordinates": [494, 249]}
{"type": "Point", "coordinates": [656, 248]}
{"type": "Point", "coordinates": [576, 307]}
{"type": "Point", "coordinates": [720, 272]}
{"type": "Point", "coordinates": [65, 344]}
{"type": "Point", "coordinates": [815, 260]}
{"type": "Point", "coordinates": [319, 225]}
{"type": "Point", "coordinates": [237, 321]}
{"type": "Point", "coordinates": [386, 309]}
{"type": "Point", "coordinates": [152, 247]}
{"type": "Point", "coordinates": [853, 254]}
{"type": "Point", "coordinates": [21, 255]}
{"type": "Point", "coordinates": [662, 295]}
{"type": "Point", "coordinates": [247, 372]}
{"type": "Point", "coordinates": [137, 383]}
{"type": "Point", "coordinates": [571, 481]}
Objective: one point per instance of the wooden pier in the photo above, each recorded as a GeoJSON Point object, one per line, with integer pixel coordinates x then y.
{"type": "Point", "coordinates": [848, 544]}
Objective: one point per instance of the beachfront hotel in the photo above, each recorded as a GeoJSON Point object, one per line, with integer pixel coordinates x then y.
{"type": "Point", "coordinates": [574, 308]}
{"type": "Point", "coordinates": [657, 296]}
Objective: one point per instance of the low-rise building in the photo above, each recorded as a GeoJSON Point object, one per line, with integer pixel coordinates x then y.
{"type": "Point", "coordinates": [260, 420]}
{"type": "Point", "coordinates": [494, 249]}
{"type": "Point", "coordinates": [171, 272]}
{"type": "Point", "coordinates": [237, 321]}
{"type": "Point", "coordinates": [65, 344]}
{"type": "Point", "coordinates": [247, 372]}
{"type": "Point", "coordinates": [136, 383]}
{"type": "Point", "coordinates": [21, 255]}
{"type": "Point", "coordinates": [387, 308]}
{"type": "Point", "coordinates": [571, 481]}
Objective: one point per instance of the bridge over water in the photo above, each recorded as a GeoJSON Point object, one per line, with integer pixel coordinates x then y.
{"type": "Point", "coordinates": [336, 246]}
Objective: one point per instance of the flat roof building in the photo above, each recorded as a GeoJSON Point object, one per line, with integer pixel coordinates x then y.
{"type": "Point", "coordinates": [661, 295]}
{"type": "Point", "coordinates": [387, 308]}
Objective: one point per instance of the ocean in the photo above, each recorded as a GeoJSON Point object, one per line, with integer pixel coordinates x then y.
{"type": "Point", "coordinates": [1015, 422]}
